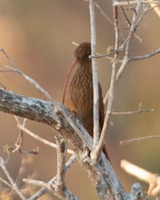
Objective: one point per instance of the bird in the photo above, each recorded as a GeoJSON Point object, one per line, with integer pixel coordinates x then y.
{"type": "Point", "coordinates": [78, 90]}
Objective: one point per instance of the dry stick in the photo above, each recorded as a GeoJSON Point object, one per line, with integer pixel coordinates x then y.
{"type": "Point", "coordinates": [5, 182]}
{"type": "Point", "coordinates": [126, 60]}
{"type": "Point", "coordinates": [118, 74]}
{"type": "Point", "coordinates": [37, 137]}
{"type": "Point", "coordinates": [39, 183]}
{"type": "Point", "coordinates": [156, 9]}
{"type": "Point", "coordinates": [131, 112]}
{"type": "Point", "coordinates": [133, 28]}
{"type": "Point", "coordinates": [145, 11]}
{"type": "Point", "coordinates": [19, 141]}
{"type": "Point", "coordinates": [36, 85]}
{"type": "Point", "coordinates": [124, 3]}
{"type": "Point", "coordinates": [98, 55]}
{"type": "Point", "coordinates": [14, 186]}
{"type": "Point", "coordinates": [52, 187]}
{"type": "Point", "coordinates": [61, 157]}
{"type": "Point", "coordinates": [129, 23]}
{"type": "Point", "coordinates": [141, 139]}
{"type": "Point", "coordinates": [58, 186]}
{"type": "Point", "coordinates": [94, 74]}
{"type": "Point", "coordinates": [152, 179]}
{"type": "Point", "coordinates": [126, 17]}
{"type": "Point", "coordinates": [112, 85]}
{"type": "Point", "coordinates": [42, 191]}
{"type": "Point", "coordinates": [103, 13]}
{"type": "Point", "coordinates": [4, 87]}
{"type": "Point", "coordinates": [135, 24]}
{"type": "Point", "coordinates": [126, 43]}
{"type": "Point", "coordinates": [145, 56]}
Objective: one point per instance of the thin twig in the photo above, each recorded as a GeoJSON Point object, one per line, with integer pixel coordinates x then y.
{"type": "Point", "coordinates": [131, 112]}
{"type": "Point", "coordinates": [141, 139]}
{"type": "Point", "coordinates": [98, 55]}
{"type": "Point", "coordinates": [52, 187]}
{"type": "Point", "coordinates": [112, 86]}
{"type": "Point", "coordinates": [103, 13]}
{"type": "Point", "coordinates": [61, 150]}
{"type": "Point", "coordinates": [44, 190]}
{"type": "Point", "coordinates": [37, 137]}
{"type": "Point", "coordinates": [126, 43]}
{"type": "Point", "coordinates": [36, 85]}
{"type": "Point", "coordinates": [3, 86]}
{"type": "Point", "coordinates": [58, 185]}
{"type": "Point", "coordinates": [19, 141]}
{"type": "Point", "coordinates": [152, 179]}
{"type": "Point", "coordinates": [14, 186]}
{"type": "Point", "coordinates": [103, 56]}
{"type": "Point", "coordinates": [23, 170]}
{"type": "Point", "coordinates": [126, 17]}
{"type": "Point", "coordinates": [94, 74]}
{"type": "Point", "coordinates": [125, 3]}
{"type": "Point", "coordinates": [153, 53]}
{"type": "Point", "coordinates": [5, 182]}
{"type": "Point", "coordinates": [39, 183]}
{"type": "Point", "coordinates": [156, 9]}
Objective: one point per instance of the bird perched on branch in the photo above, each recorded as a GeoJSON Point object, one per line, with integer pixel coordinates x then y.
{"type": "Point", "coordinates": [78, 91]}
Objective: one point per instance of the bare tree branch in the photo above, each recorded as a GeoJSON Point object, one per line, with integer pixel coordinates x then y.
{"type": "Point", "coordinates": [101, 174]}
{"type": "Point", "coordinates": [36, 85]}
{"type": "Point", "coordinates": [152, 179]}
{"type": "Point", "coordinates": [52, 188]}
{"type": "Point", "coordinates": [37, 137]}
{"type": "Point", "coordinates": [103, 13]}
{"type": "Point", "coordinates": [57, 116]}
{"type": "Point", "coordinates": [153, 53]}
{"type": "Point", "coordinates": [131, 112]}
{"type": "Point", "coordinates": [13, 184]}
{"type": "Point", "coordinates": [125, 3]}
{"type": "Point", "coordinates": [112, 85]}
{"type": "Point", "coordinates": [94, 75]}
{"type": "Point", "coordinates": [126, 43]}
{"type": "Point", "coordinates": [61, 189]}
{"type": "Point", "coordinates": [43, 190]}
{"type": "Point", "coordinates": [141, 139]}
{"type": "Point", "coordinates": [60, 164]}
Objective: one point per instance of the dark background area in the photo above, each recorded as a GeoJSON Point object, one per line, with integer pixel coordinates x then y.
{"type": "Point", "coordinates": [38, 36]}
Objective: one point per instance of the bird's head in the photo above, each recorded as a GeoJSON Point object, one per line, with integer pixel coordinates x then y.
{"type": "Point", "coordinates": [82, 52]}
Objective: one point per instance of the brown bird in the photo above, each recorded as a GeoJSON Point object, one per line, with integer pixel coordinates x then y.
{"type": "Point", "coordinates": [78, 90]}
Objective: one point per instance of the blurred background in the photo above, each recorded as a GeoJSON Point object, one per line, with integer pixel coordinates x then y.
{"type": "Point", "coordinates": [38, 36]}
